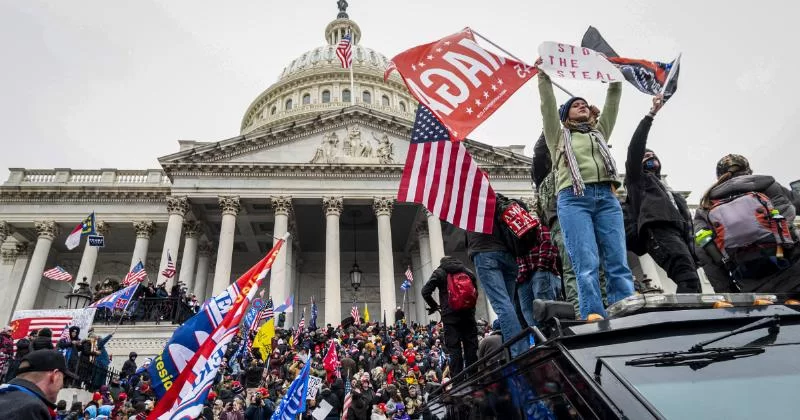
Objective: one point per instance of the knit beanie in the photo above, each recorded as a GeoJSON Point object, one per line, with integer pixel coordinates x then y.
{"type": "Point", "coordinates": [563, 110]}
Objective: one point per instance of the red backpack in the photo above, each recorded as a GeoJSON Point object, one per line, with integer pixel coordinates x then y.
{"type": "Point", "coordinates": [461, 292]}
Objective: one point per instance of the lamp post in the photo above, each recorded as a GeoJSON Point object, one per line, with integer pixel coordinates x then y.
{"type": "Point", "coordinates": [355, 273]}
{"type": "Point", "coordinates": [80, 296]}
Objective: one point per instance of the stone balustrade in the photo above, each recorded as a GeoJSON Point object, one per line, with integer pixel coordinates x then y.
{"type": "Point", "coordinates": [102, 177]}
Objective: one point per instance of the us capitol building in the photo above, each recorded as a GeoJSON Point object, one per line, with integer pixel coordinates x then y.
{"type": "Point", "coordinates": [314, 158]}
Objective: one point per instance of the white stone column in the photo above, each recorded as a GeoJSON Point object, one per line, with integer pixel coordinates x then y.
{"type": "Point", "coordinates": [290, 286]}
{"type": "Point", "coordinates": [177, 208]}
{"type": "Point", "coordinates": [10, 287]}
{"type": "Point", "coordinates": [419, 281]}
{"type": "Point", "coordinates": [222, 274]}
{"type": "Point", "coordinates": [5, 268]}
{"type": "Point", "coordinates": [436, 242]}
{"type": "Point", "coordinates": [201, 278]}
{"type": "Point", "coordinates": [191, 229]}
{"type": "Point", "coordinates": [14, 285]}
{"type": "Point", "coordinates": [89, 257]}
{"type": "Point", "coordinates": [333, 299]}
{"type": "Point", "coordinates": [383, 211]}
{"type": "Point", "coordinates": [279, 288]}
{"type": "Point", "coordinates": [144, 231]}
{"type": "Point", "coordinates": [5, 231]}
{"type": "Point", "coordinates": [46, 231]}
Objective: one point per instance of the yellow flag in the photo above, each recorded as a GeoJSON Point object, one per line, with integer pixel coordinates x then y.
{"type": "Point", "coordinates": [263, 340]}
{"type": "Point", "coordinates": [366, 312]}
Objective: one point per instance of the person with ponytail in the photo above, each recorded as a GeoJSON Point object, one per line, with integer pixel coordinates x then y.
{"type": "Point", "coordinates": [776, 269]}
{"type": "Point", "coordinates": [588, 210]}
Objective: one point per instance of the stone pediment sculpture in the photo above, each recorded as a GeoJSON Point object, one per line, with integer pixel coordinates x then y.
{"type": "Point", "coordinates": [354, 148]}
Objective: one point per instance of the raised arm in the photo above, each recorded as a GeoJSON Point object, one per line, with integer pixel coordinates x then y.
{"type": "Point", "coordinates": [551, 123]}
{"type": "Point", "coordinates": [608, 118]}
{"type": "Point", "coordinates": [636, 150]}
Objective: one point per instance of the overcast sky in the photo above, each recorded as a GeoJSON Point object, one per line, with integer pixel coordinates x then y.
{"type": "Point", "coordinates": [99, 84]}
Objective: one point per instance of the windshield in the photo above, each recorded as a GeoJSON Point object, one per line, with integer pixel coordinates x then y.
{"type": "Point", "coordinates": [752, 387]}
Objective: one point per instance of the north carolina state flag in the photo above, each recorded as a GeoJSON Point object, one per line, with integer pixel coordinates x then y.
{"type": "Point", "coordinates": [459, 81]}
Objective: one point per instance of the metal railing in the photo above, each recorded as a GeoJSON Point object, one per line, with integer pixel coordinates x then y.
{"type": "Point", "coordinates": [170, 310]}
{"type": "Point", "coordinates": [91, 376]}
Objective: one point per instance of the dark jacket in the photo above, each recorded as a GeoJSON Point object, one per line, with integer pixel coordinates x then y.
{"type": "Point", "coordinates": [482, 242]}
{"type": "Point", "coordinates": [438, 280]}
{"type": "Point", "coordinates": [252, 377]}
{"type": "Point", "coordinates": [333, 400]}
{"type": "Point", "coordinates": [648, 198]}
{"type": "Point", "coordinates": [785, 201]}
{"type": "Point", "coordinates": [21, 405]}
{"type": "Point", "coordinates": [42, 342]}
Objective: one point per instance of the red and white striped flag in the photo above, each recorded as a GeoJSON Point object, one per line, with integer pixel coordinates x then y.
{"type": "Point", "coordinates": [348, 399]}
{"type": "Point", "coordinates": [356, 316]}
{"type": "Point", "coordinates": [136, 275]}
{"type": "Point", "coordinates": [441, 175]}
{"type": "Point", "coordinates": [169, 270]}
{"type": "Point", "coordinates": [409, 275]}
{"type": "Point", "coordinates": [345, 51]}
{"type": "Point", "coordinates": [57, 324]}
{"type": "Point", "coordinates": [58, 274]}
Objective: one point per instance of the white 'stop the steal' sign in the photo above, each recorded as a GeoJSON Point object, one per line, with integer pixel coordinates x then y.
{"type": "Point", "coordinates": [577, 63]}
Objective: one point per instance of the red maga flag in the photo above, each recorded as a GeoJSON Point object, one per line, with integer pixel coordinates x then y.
{"type": "Point", "coordinates": [462, 83]}
{"type": "Point", "coordinates": [441, 175]}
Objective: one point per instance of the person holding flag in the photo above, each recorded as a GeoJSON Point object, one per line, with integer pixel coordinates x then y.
{"type": "Point", "coordinates": [589, 212]}
{"type": "Point", "coordinates": [662, 223]}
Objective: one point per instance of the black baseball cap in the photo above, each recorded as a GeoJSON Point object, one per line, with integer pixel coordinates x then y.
{"type": "Point", "coordinates": [43, 361]}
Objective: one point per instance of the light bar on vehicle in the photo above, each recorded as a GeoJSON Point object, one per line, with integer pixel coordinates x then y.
{"type": "Point", "coordinates": [646, 302]}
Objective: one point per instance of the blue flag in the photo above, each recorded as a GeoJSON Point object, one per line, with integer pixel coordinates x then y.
{"type": "Point", "coordinates": [312, 324]}
{"type": "Point", "coordinates": [294, 402]}
{"type": "Point", "coordinates": [117, 300]}
{"type": "Point", "coordinates": [406, 285]}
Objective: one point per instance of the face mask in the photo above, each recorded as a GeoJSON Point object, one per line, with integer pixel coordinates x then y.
{"type": "Point", "coordinates": [651, 164]}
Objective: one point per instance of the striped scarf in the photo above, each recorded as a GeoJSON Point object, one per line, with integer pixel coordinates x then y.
{"type": "Point", "coordinates": [572, 162]}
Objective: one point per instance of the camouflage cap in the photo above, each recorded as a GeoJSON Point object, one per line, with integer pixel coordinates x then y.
{"type": "Point", "coordinates": [733, 163]}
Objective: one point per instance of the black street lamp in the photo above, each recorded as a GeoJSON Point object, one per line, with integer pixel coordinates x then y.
{"type": "Point", "coordinates": [79, 297]}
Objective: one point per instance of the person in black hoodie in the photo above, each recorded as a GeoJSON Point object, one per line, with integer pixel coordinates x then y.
{"type": "Point", "coordinates": [43, 340]}
{"type": "Point", "coordinates": [663, 223]}
{"type": "Point", "coordinates": [129, 367]}
{"type": "Point", "coordinates": [460, 328]}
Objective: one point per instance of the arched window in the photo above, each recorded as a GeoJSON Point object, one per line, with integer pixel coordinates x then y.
{"type": "Point", "coordinates": [402, 106]}
{"type": "Point", "coordinates": [385, 100]}
{"type": "Point", "coordinates": [306, 99]}
{"type": "Point", "coordinates": [274, 110]}
{"type": "Point", "coordinates": [326, 96]}
{"type": "Point", "coordinates": [288, 104]}
{"type": "Point", "coordinates": [346, 95]}
{"type": "Point", "coordinates": [366, 97]}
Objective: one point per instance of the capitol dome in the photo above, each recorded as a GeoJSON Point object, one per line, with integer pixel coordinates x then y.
{"type": "Point", "coordinates": [315, 83]}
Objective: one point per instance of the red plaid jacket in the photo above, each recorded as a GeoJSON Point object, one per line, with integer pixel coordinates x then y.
{"type": "Point", "coordinates": [541, 257]}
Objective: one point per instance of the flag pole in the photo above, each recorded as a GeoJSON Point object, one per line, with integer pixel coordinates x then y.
{"type": "Point", "coordinates": [352, 83]}
{"type": "Point", "coordinates": [675, 64]}
{"type": "Point", "coordinates": [515, 58]}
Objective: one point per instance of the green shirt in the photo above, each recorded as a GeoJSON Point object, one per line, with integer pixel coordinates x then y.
{"type": "Point", "coordinates": [587, 153]}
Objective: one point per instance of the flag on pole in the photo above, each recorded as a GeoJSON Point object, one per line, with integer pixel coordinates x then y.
{"type": "Point", "coordinates": [294, 402]}
{"type": "Point", "coordinates": [183, 373]}
{"type": "Point", "coordinates": [441, 175]}
{"type": "Point", "coordinates": [136, 275]}
{"type": "Point", "coordinates": [117, 300]}
{"type": "Point", "coordinates": [366, 313]}
{"type": "Point", "coordinates": [312, 324]}
{"type": "Point", "coordinates": [348, 398]}
{"type": "Point", "coordinates": [84, 228]}
{"type": "Point", "coordinates": [405, 286]}
{"type": "Point", "coordinates": [650, 77]}
{"type": "Point", "coordinates": [169, 270]}
{"type": "Point", "coordinates": [468, 85]}
{"type": "Point", "coordinates": [299, 332]}
{"type": "Point", "coordinates": [344, 51]}
{"type": "Point", "coordinates": [58, 274]}
{"type": "Point", "coordinates": [287, 306]}
{"type": "Point", "coordinates": [409, 275]}
{"type": "Point", "coordinates": [355, 315]}
{"type": "Point", "coordinates": [331, 360]}
{"type": "Point", "coordinates": [263, 339]}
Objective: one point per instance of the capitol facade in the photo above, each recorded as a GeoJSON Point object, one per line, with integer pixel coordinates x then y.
{"type": "Point", "coordinates": [315, 157]}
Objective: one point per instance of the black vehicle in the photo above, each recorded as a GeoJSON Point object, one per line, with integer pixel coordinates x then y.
{"type": "Point", "coordinates": [722, 356]}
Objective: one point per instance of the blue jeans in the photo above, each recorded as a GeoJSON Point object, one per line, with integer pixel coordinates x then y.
{"type": "Point", "coordinates": [593, 228]}
{"type": "Point", "coordinates": [497, 271]}
{"type": "Point", "coordinates": [542, 285]}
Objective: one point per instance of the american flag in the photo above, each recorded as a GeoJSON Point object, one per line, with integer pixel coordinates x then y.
{"type": "Point", "coordinates": [348, 398]}
{"type": "Point", "coordinates": [345, 52]}
{"type": "Point", "coordinates": [441, 175]}
{"type": "Point", "coordinates": [136, 275]}
{"type": "Point", "coordinates": [300, 327]}
{"type": "Point", "coordinates": [263, 314]}
{"type": "Point", "coordinates": [409, 275]}
{"type": "Point", "coordinates": [64, 332]}
{"type": "Point", "coordinates": [58, 274]}
{"type": "Point", "coordinates": [354, 313]}
{"type": "Point", "coordinates": [169, 270]}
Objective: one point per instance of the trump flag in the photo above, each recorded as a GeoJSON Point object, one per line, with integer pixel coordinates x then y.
{"type": "Point", "coordinates": [183, 373]}
{"type": "Point", "coordinates": [459, 81]}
